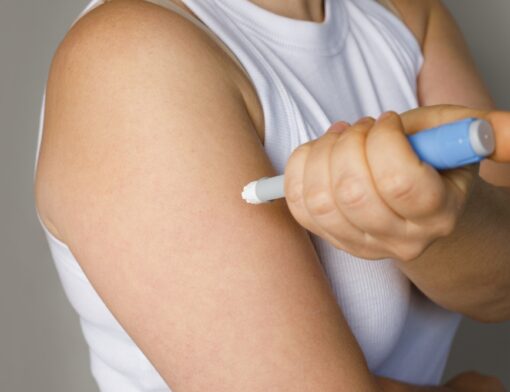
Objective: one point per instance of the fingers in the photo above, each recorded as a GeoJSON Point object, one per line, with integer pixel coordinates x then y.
{"type": "Point", "coordinates": [294, 175]}
{"type": "Point", "coordinates": [318, 196]}
{"type": "Point", "coordinates": [501, 124]}
{"type": "Point", "coordinates": [414, 190]}
{"type": "Point", "coordinates": [364, 189]}
{"type": "Point", "coordinates": [355, 193]}
{"type": "Point", "coordinates": [431, 116]}
{"type": "Point", "coordinates": [308, 190]}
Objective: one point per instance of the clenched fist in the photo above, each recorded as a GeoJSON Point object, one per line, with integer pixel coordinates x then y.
{"type": "Point", "coordinates": [363, 188]}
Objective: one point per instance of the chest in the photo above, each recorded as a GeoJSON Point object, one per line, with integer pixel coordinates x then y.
{"type": "Point", "coordinates": [296, 95]}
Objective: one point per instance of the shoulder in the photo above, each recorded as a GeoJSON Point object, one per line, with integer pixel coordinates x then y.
{"type": "Point", "coordinates": [122, 28]}
{"type": "Point", "coordinates": [415, 14]}
{"type": "Point", "coordinates": [125, 31]}
{"type": "Point", "coordinates": [126, 74]}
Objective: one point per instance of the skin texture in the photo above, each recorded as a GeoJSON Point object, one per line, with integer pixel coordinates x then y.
{"type": "Point", "coordinates": [345, 187]}
{"type": "Point", "coordinates": [437, 226]}
{"type": "Point", "coordinates": [145, 192]}
{"type": "Point", "coordinates": [449, 270]}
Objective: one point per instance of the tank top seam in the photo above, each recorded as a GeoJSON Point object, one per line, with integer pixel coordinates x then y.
{"type": "Point", "coordinates": [283, 94]}
{"type": "Point", "coordinates": [289, 46]}
{"type": "Point", "coordinates": [331, 51]}
{"type": "Point", "coordinates": [74, 269]}
{"type": "Point", "coordinates": [398, 23]}
{"type": "Point", "coordinates": [204, 27]}
{"type": "Point", "coordinates": [286, 101]}
{"type": "Point", "coordinates": [288, 114]}
{"type": "Point", "coordinates": [90, 6]}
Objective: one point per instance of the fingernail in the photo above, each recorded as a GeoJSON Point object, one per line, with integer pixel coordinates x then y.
{"type": "Point", "coordinates": [384, 116]}
{"type": "Point", "coordinates": [365, 119]}
{"type": "Point", "coordinates": [338, 127]}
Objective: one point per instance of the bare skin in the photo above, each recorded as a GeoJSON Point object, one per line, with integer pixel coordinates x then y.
{"type": "Point", "coordinates": [105, 185]}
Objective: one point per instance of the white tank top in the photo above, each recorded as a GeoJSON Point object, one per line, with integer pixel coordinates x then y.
{"type": "Point", "coordinates": [362, 60]}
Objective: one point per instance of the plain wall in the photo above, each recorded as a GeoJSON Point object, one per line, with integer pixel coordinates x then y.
{"type": "Point", "coordinates": [41, 346]}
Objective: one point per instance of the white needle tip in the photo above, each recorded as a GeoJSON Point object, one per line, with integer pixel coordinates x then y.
{"type": "Point", "coordinates": [249, 194]}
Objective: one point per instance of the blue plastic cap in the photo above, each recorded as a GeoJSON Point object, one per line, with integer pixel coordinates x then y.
{"type": "Point", "coordinates": [455, 144]}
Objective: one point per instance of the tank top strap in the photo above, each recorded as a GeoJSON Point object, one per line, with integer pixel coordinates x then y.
{"type": "Point", "coordinates": [192, 17]}
{"type": "Point", "coordinates": [169, 4]}
{"type": "Point", "coordinates": [391, 7]}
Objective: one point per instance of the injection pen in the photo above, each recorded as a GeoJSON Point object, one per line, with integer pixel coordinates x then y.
{"type": "Point", "coordinates": [448, 146]}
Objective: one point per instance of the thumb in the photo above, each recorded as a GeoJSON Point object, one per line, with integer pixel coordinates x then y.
{"type": "Point", "coordinates": [426, 117]}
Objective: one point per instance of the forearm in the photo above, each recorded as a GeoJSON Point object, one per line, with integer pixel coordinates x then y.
{"type": "Point", "coordinates": [469, 270]}
{"type": "Point", "coordinates": [389, 385]}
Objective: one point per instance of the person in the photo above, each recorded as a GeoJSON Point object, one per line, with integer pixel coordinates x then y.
{"type": "Point", "coordinates": [156, 114]}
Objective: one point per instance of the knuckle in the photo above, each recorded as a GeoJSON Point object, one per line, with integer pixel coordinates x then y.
{"type": "Point", "coordinates": [447, 225]}
{"type": "Point", "coordinates": [392, 114]}
{"type": "Point", "coordinates": [398, 186]}
{"type": "Point", "coordinates": [444, 110]}
{"type": "Point", "coordinates": [433, 201]}
{"type": "Point", "coordinates": [363, 123]}
{"type": "Point", "coordinates": [409, 251]}
{"type": "Point", "coordinates": [294, 192]}
{"type": "Point", "coordinates": [350, 191]}
{"type": "Point", "coordinates": [336, 243]}
{"type": "Point", "coordinates": [319, 201]}
{"type": "Point", "coordinates": [303, 149]}
{"type": "Point", "coordinates": [347, 134]}
{"type": "Point", "coordinates": [380, 226]}
{"type": "Point", "coordinates": [338, 126]}
{"type": "Point", "coordinates": [353, 249]}
{"type": "Point", "coordinates": [299, 151]}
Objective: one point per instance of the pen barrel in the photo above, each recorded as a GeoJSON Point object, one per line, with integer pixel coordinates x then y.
{"type": "Point", "coordinates": [447, 146]}
{"type": "Point", "coordinates": [270, 188]}
{"type": "Point", "coordinates": [455, 144]}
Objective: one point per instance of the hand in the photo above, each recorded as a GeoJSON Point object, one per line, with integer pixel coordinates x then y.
{"type": "Point", "coordinates": [473, 381]}
{"type": "Point", "coordinates": [364, 189]}
{"type": "Point", "coordinates": [470, 381]}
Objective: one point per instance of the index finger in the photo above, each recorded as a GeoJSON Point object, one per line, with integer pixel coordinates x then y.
{"type": "Point", "coordinates": [426, 117]}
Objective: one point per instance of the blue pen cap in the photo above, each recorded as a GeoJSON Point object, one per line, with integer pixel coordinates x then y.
{"type": "Point", "coordinates": [455, 144]}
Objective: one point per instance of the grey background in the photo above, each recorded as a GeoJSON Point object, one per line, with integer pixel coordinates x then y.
{"type": "Point", "coordinates": [41, 347]}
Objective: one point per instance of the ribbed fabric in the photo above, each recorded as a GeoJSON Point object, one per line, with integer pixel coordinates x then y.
{"type": "Point", "coordinates": [361, 60]}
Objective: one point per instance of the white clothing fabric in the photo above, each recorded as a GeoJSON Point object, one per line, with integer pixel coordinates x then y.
{"type": "Point", "coordinates": [362, 60]}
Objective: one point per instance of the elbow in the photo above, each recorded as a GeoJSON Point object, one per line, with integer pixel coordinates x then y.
{"type": "Point", "coordinates": [492, 315]}
{"type": "Point", "coordinates": [388, 385]}
{"type": "Point", "coordinates": [491, 312]}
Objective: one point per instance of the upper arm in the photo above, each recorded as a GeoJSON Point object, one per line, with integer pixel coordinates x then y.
{"type": "Point", "coordinates": [146, 149]}
{"type": "Point", "coordinates": [449, 74]}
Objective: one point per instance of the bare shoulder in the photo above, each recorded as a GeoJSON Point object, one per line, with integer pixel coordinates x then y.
{"type": "Point", "coordinates": [119, 54]}
{"type": "Point", "coordinates": [153, 32]}
{"type": "Point", "coordinates": [415, 15]}
{"type": "Point", "coordinates": [147, 146]}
